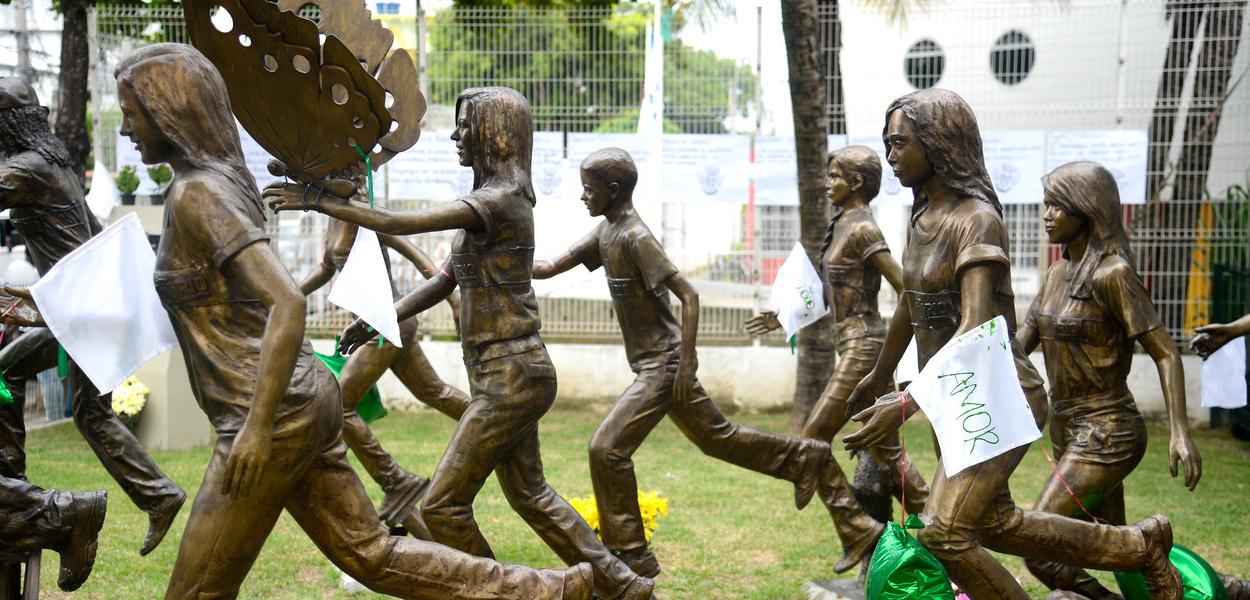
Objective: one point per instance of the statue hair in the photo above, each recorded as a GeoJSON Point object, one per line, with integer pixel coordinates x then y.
{"type": "Point", "coordinates": [947, 131]}
{"type": "Point", "coordinates": [613, 165]}
{"type": "Point", "coordinates": [501, 129]}
{"type": "Point", "coordinates": [184, 96]}
{"type": "Point", "coordinates": [1088, 190]}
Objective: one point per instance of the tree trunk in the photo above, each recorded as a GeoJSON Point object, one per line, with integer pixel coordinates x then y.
{"type": "Point", "coordinates": [801, 27]}
{"type": "Point", "coordinates": [1221, 37]}
{"type": "Point", "coordinates": [70, 121]}
{"type": "Point", "coordinates": [1185, 19]}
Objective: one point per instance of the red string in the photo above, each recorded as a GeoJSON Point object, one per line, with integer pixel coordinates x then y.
{"type": "Point", "coordinates": [902, 459]}
{"type": "Point", "coordinates": [1055, 468]}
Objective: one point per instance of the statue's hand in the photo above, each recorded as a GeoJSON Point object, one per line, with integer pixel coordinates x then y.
{"type": "Point", "coordinates": [17, 307]}
{"type": "Point", "coordinates": [1183, 453]}
{"type": "Point", "coordinates": [248, 455]}
{"type": "Point", "coordinates": [683, 383]}
{"type": "Point", "coordinates": [763, 323]}
{"type": "Point", "coordinates": [298, 196]}
{"type": "Point", "coordinates": [880, 420]}
{"type": "Point", "coordinates": [1211, 338]}
{"type": "Point", "coordinates": [860, 396]}
{"type": "Point", "coordinates": [356, 335]}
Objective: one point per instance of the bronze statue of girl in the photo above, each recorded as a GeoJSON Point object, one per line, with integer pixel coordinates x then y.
{"type": "Point", "coordinates": [1090, 311]}
{"type": "Point", "coordinates": [511, 379]}
{"type": "Point", "coordinates": [240, 322]}
{"type": "Point", "coordinates": [956, 275]}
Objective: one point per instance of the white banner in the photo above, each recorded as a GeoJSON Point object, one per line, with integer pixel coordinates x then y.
{"type": "Point", "coordinates": [430, 170]}
{"type": "Point", "coordinates": [1016, 161]}
{"type": "Point", "coordinates": [706, 167]}
{"type": "Point", "coordinates": [364, 287]}
{"type": "Point", "coordinates": [124, 324]}
{"type": "Point", "coordinates": [1121, 151]}
{"type": "Point", "coordinates": [1224, 376]}
{"type": "Point", "coordinates": [256, 158]}
{"type": "Point", "coordinates": [776, 170]}
{"type": "Point", "coordinates": [798, 294]}
{"type": "Point", "coordinates": [971, 393]}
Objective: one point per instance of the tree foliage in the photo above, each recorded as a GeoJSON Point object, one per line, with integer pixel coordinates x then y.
{"type": "Point", "coordinates": [581, 70]}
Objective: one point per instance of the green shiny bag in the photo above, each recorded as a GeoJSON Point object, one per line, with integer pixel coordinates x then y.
{"type": "Point", "coordinates": [902, 569]}
{"type": "Point", "coordinates": [1201, 582]}
{"type": "Point", "coordinates": [370, 407]}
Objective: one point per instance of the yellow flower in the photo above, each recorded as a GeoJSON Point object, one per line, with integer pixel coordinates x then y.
{"type": "Point", "coordinates": [130, 397]}
{"type": "Point", "coordinates": [651, 506]}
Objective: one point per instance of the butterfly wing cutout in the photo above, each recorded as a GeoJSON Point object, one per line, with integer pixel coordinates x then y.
{"type": "Point", "coordinates": [306, 100]}
{"type": "Point", "coordinates": [372, 42]}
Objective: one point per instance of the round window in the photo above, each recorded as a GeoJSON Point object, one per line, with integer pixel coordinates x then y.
{"type": "Point", "coordinates": [923, 64]}
{"type": "Point", "coordinates": [1012, 57]}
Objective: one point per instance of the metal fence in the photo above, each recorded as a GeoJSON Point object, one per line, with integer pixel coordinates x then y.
{"type": "Point", "coordinates": [1176, 69]}
{"type": "Point", "coordinates": [1102, 64]}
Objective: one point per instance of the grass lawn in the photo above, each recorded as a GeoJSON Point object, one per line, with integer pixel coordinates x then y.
{"type": "Point", "coordinates": [729, 533]}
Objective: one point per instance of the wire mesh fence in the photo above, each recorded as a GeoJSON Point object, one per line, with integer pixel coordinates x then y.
{"type": "Point", "coordinates": [1172, 69]}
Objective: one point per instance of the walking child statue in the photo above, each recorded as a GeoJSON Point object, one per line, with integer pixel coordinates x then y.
{"type": "Point", "coordinates": [1091, 310]}
{"type": "Point", "coordinates": [956, 276]}
{"type": "Point", "coordinates": [274, 406]}
{"type": "Point", "coordinates": [853, 260]}
{"type": "Point", "coordinates": [661, 351]}
{"type": "Point", "coordinates": [511, 379]}
{"type": "Point", "coordinates": [40, 188]}
{"type": "Point", "coordinates": [402, 489]}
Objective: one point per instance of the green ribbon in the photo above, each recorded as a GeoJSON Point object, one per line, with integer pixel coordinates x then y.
{"type": "Point", "coordinates": [6, 397]}
{"type": "Point", "coordinates": [62, 362]}
{"type": "Point", "coordinates": [381, 340]}
{"type": "Point", "coordinates": [368, 170]}
{"type": "Point", "coordinates": [370, 407]}
{"type": "Point", "coordinates": [794, 341]}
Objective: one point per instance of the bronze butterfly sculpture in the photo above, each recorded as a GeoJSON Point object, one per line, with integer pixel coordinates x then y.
{"type": "Point", "coordinates": [316, 96]}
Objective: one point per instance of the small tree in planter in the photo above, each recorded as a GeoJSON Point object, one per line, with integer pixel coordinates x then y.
{"type": "Point", "coordinates": [161, 175]}
{"type": "Point", "coordinates": [127, 183]}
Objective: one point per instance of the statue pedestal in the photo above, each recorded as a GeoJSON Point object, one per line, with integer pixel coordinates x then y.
{"type": "Point", "coordinates": [834, 589]}
{"type": "Point", "coordinates": [171, 420]}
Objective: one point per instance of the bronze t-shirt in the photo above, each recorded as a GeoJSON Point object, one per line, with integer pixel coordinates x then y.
{"type": "Point", "coordinates": [852, 282]}
{"type": "Point", "coordinates": [636, 268]}
{"type": "Point", "coordinates": [493, 268]}
{"type": "Point", "coordinates": [1088, 342]}
{"type": "Point", "coordinates": [47, 206]}
{"type": "Point", "coordinates": [968, 232]}
{"type": "Point", "coordinates": [219, 324]}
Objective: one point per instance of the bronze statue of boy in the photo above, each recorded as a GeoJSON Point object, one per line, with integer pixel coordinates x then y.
{"type": "Point", "coordinates": [661, 351]}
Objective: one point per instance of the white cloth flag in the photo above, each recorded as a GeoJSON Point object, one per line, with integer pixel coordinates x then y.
{"type": "Point", "coordinates": [1224, 376]}
{"type": "Point", "coordinates": [364, 287]}
{"type": "Point", "coordinates": [972, 396]}
{"type": "Point", "coordinates": [100, 303]}
{"type": "Point", "coordinates": [798, 294]}
{"type": "Point", "coordinates": [103, 194]}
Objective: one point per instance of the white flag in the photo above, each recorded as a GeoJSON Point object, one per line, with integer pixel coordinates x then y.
{"type": "Point", "coordinates": [971, 393]}
{"type": "Point", "coordinates": [103, 194]}
{"type": "Point", "coordinates": [100, 303]}
{"type": "Point", "coordinates": [798, 294]}
{"type": "Point", "coordinates": [1224, 376]}
{"type": "Point", "coordinates": [364, 287]}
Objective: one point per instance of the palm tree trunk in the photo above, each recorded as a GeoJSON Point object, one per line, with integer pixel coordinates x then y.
{"type": "Point", "coordinates": [1221, 37]}
{"type": "Point", "coordinates": [70, 121]}
{"type": "Point", "coordinates": [1185, 18]}
{"type": "Point", "coordinates": [801, 27]}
